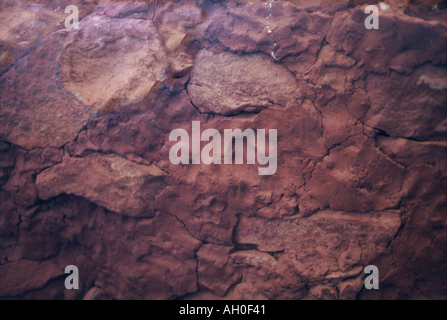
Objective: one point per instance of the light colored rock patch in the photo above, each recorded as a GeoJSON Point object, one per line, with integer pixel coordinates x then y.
{"type": "Point", "coordinates": [113, 61]}
{"type": "Point", "coordinates": [108, 180]}
{"type": "Point", "coordinates": [253, 258]}
{"type": "Point", "coordinates": [228, 83]}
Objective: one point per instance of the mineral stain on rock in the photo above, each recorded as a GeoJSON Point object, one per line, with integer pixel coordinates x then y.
{"type": "Point", "coordinates": [85, 175]}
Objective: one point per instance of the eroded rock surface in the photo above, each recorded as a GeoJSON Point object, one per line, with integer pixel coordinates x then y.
{"type": "Point", "coordinates": [138, 58]}
{"type": "Point", "coordinates": [85, 175]}
{"type": "Point", "coordinates": [252, 89]}
{"type": "Point", "coordinates": [36, 109]}
{"type": "Point", "coordinates": [110, 181]}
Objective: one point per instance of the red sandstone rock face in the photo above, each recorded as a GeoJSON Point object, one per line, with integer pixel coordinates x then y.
{"type": "Point", "coordinates": [135, 46]}
{"type": "Point", "coordinates": [125, 187]}
{"type": "Point", "coordinates": [254, 89]}
{"type": "Point", "coordinates": [86, 180]}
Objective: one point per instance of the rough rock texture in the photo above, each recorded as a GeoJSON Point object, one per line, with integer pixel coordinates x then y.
{"type": "Point", "coordinates": [36, 109]}
{"type": "Point", "coordinates": [139, 61]}
{"type": "Point", "coordinates": [118, 185]}
{"type": "Point", "coordinates": [85, 175]}
{"type": "Point", "coordinates": [254, 89]}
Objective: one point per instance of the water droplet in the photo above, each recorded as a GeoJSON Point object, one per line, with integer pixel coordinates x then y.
{"type": "Point", "coordinates": [384, 6]}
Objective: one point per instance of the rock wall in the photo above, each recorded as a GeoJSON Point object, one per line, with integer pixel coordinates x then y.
{"type": "Point", "coordinates": [86, 177]}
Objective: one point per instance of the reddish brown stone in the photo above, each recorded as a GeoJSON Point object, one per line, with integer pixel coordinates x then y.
{"type": "Point", "coordinates": [361, 174]}
{"type": "Point", "coordinates": [24, 275]}
{"type": "Point", "coordinates": [119, 178]}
